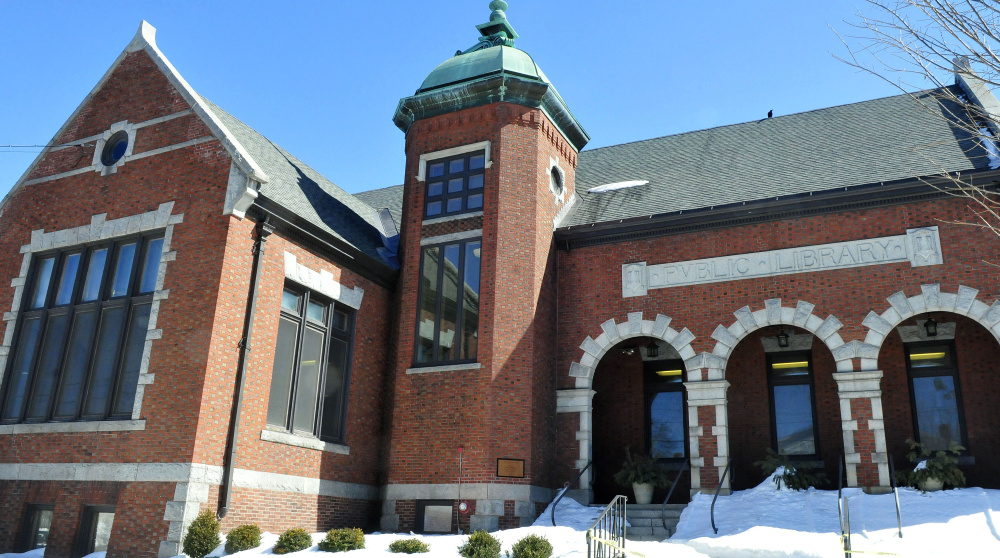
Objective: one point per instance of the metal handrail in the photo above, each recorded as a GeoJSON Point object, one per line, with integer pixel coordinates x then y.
{"type": "Point", "coordinates": [840, 499]}
{"type": "Point", "coordinates": [722, 481]}
{"type": "Point", "coordinates": [895, 493]}
{"type": "Point", "coordinates": [563, 492]}
{"type": "Point", "coordinates": [663, 508]}
{"type": "Point", "coordinates": [606, 537]}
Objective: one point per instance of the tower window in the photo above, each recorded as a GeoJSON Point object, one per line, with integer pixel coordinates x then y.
{"type": "Point", "coordinates": [455, 185]}
{"type": "Point", "coordinates": [448, 319]}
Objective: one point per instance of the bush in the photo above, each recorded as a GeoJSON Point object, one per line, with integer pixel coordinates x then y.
{"type": "Point", "coordinates": [480, 545]}
{"type": "Point", "coordinates": [409, 546]}
{"type": "Point", "coordinates": [342, 540]}
{"type": "Point", "coordinates": [202, 536]}
{"type": "Point", "coordinates": [532, 546]}
{"type": "Point", "coordinates": [293, 540]}
{"type": "Point", "coordinates": [641, 469]}
{"type": "Point", "coordinates": [942, 465]}
{"type": "Point", "coordinates": [794, 475]}
{"type": "Point", "coordinates": [242, 538]}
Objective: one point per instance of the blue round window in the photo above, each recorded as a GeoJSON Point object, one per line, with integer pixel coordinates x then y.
{"type": "Point", "coordinates": [115, 148]}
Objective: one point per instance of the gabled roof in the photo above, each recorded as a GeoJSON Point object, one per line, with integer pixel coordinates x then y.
{"type": "Point", "coordinates": [301, 189]}
{"type": "Point", "coordinates": [870, 142]}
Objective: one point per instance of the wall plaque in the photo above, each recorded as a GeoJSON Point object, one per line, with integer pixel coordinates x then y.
{"type": "Point", "coordinates": [510, 468]}
{"type": "Point", "coordinates": [920, 247]}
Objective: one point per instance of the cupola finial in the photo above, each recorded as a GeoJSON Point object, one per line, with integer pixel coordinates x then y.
{"type": "Point", "coordinates": [498, 32]}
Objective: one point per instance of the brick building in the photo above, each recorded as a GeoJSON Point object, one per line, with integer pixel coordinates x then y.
{"type": "Point", "coordinates": [199, 320]}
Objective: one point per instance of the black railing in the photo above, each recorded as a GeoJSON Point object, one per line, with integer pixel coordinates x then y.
{"type": "Point", "coordinates": [895, 493]}
{"type": "Point", "coordinates": [562, 492]}
{"type": "Point", "coordinates": [663, 509]}
{"type": "Point", "coordinates": [722, 481]}
{"type": "Point", "coordinates": [845, 527]}
{"type": "Point", "coordinates": [606, 537]}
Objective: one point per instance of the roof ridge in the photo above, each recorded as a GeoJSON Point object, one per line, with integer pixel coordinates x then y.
{"type": "Point", "coordinates": [744, 123]}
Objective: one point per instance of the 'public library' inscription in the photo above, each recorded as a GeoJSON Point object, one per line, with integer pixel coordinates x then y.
{"type": "Point", "coordinates": [920, 247]}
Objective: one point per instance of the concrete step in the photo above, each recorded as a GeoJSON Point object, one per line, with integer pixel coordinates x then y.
{"type": "Point", "coordinates": [646, 521]}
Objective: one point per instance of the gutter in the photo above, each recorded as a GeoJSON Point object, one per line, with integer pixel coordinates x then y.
{"type": "Point", "coordinates": [264, 229]}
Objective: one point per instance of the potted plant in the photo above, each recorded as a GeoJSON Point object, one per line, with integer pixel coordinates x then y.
{"type": "Point", "coordinates": [933, 470]}
{"type": "Point", "coordinates": [643, 474]}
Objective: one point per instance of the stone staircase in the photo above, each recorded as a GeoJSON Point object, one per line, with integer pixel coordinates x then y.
{"type": "Point", "coordinates": [646, 521]}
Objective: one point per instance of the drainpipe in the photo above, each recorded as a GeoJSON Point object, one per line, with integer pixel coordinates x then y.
{"type": "Point", "coordinates": [264, 230]}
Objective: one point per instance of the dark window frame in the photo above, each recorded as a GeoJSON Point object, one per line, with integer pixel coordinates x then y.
{"type": "Point", "coordinates": [464, 194]}
{"type": "Point", "coordinates": [87, 530]}
{"type": "Point", "coordinates": [773, 381]}
{"type": "Point", "coordinates": [131, 300]}
{"type": "Point", "coordinates": [419, 515]}
{"type": "Point", "coordinates": [329, 333]}
{"type": "Point", "coordinates": [29, 525]}
{"type": "Point", "coordinates": [654, 385]}
{"type": "Point", "coordinates": [951, 370]}
{"type": "Point", "coordinates": [436, 359]}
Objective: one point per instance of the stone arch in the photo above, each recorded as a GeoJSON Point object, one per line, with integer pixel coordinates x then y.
{"type": "Point", "coordinates": [773, 313]}
{"type": "Point", "coordinates": [930, 299]}
{"type": "Point", "coordinates": [581, 399]}
{"type": "Point", "coordinates": [613, 333]}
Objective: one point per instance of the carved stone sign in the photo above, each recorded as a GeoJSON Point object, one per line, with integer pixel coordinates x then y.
{"type": "Point", "coordinates": [920, 247]}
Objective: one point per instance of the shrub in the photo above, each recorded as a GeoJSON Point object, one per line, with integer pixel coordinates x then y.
{"type": "Point", "coordinates": [409, 546]}
{"type": "Point", "coordinates": [532, 546]}
{"type": "Point", "coordinates": [242, 538]}
{"type": "Point", "coordinates": [480, 545]}
{"type": "Point", "coordinates": [794, 475]}
{"type": "Point", "coordinates": [942, 465]}
{"type": "Point", "coordinates": [293, 540]}
{"type": "Point", "coordinates": [202, 536]}
{"type": "Point", "coordinates": [342, 540]}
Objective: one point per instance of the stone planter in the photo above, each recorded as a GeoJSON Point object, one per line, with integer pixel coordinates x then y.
{"type": "Point", "coordinates": [643, 493]}
{"type": "Point", "coordinates": [930, 484]}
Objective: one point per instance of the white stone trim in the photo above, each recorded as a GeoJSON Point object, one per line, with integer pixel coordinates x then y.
{"type": "Point", "coordinates": [862, 385]}
{"type": "Point", "coordinates": [445, 153]}
{"type": "Point", "coordinates": [445, 368]}
{"type": "Point", "coordinates": [449, 218]}
{"type": "Point", "coordinates": [97, 163]}
{"type": "Point", "coordinates": [918, 333]}
{"type": "Point", "coordinates": [711, 393]}
{"type": "Point", "coordinates": [453, 237]}
{"type": "Point", "coordinates": [307, 442]}
{"type": "Point", "coordinates": [322, 282]}
{"type": "Point", "coordinates": [76, 427]}
{"type": "Point", "coordinates": [773, 313]}
{"type": "Point", "coordinates": [241, 192]}
{"type": "Point", "coordinates": [60, 176]}
{"type": "Point", "coordinates": [169, 148]}
{"type": "Point", "coordinates": [965, 302]}
{"type": "Point", "coordinates": [559, 197]}
{"type": "Point", "coordinates": [100, 229]}
{"type": "Point", "coordinates": [259, 480]}
{"type": "Point", "coordinates": [112, 472]}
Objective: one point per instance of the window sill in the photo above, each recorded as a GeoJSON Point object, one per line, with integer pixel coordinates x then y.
{"type": "Point", "coordinates": [448, 368]}
{"type": "Point", "coordinates": [73, 427]}
{"type": "Point", "coordinates": [455, 217]}
{"type": "Point", "coordinates": [303, 442]}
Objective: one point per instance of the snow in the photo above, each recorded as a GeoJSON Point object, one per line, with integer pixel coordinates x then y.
{"type": "Point", "coordinates": [617, 186]}
{"type": "Point", "coordinates": [990, 144]}
{"type": "Point", "coordinates": [40, 553]}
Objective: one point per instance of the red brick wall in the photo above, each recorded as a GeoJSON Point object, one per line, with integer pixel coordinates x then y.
{"type": "Point", "coordinates": [279, 511]}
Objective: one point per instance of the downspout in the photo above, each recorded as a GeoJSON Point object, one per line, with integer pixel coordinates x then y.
{"type": "Point", "coordinates": [264, 230]}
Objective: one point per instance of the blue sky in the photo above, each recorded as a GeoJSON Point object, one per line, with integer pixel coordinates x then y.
{"type": "Point", "coordinates": [322, 78]}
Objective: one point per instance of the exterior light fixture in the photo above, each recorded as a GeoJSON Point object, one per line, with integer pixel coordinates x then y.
{"type": "Point", "coordinates": [782, 338]}
{"type": "Point", "coordinates": [628, 351]}
{"type": "Point", "coordinates": [652, 350]}
{"type": "Point", "coordinates": [931, 326]}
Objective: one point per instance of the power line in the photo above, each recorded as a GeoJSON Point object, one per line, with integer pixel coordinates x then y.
{"type": "Point", "coordinates": [12, 146]}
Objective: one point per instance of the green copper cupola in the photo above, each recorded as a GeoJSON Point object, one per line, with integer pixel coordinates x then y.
{"type": "Point", "coordinates": [492, 70]}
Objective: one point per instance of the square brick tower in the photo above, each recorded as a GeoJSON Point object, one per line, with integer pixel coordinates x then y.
{"type": "Point", "coordinates": [491, 154]}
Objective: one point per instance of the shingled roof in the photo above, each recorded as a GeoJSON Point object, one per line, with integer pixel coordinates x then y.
{"type": "Point", "coordinates": [870, 142]}
{"type": "Point", "coordinates": [390, 198]}
{"type": "Point", "coordinates": [298, 187]}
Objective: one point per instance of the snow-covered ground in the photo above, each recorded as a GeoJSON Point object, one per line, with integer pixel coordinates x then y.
{"type": "Point", "coordinates": [759, 522]}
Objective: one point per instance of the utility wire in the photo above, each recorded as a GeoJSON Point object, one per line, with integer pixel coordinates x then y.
{"type": "Point", "coordinates": [12, 146]}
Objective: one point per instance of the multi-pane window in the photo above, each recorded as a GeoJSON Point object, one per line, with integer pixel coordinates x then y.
{"type": "Point", "coordinates": [311, 375]}
{"type": "Point", "coordinates": [936, 397]}
{"type": "Point", "coordinates": [455, 185]}
{"type": "Point", "coordinates": [665, 409]}
{"type": "Point", "coordinates": [79, 343]}
{"type": "Point", "coordinates": [448, 320]}
{"type": "Point", "coordinates": [792, 403]}
{"type": "Point", "coordinates": [95, 530]}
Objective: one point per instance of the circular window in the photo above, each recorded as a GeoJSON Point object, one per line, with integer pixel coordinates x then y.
{"type": "Point", "coordinates": [555, 181]}
{"type": "Point", "coordinates": [114, 148]}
